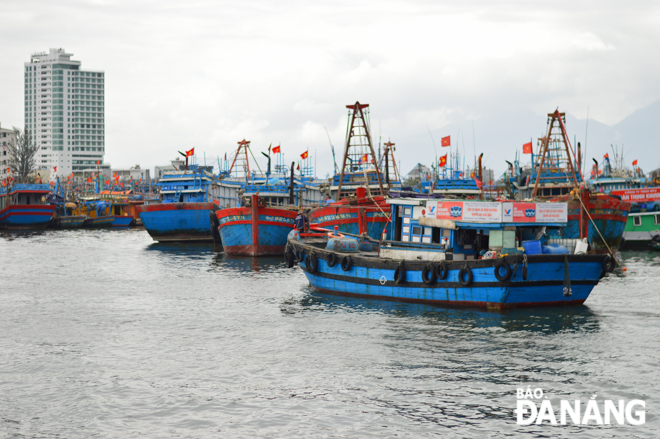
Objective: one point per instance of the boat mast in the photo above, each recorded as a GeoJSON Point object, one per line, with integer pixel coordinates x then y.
{"type": "Point", "coordinates": [357, 138]}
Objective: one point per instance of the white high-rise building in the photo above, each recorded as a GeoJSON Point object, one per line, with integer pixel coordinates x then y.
{"type": "Point", "coordinates": [64, 111]}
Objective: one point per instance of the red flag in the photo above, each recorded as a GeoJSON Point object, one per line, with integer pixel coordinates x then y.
{"type": "Point", "coordinates": [364, 158]}
{"type": "Point", "coordinates": [225, 156]}
{"type": "Point", "coordinates": [276, 150]}
{"type": "Point", "coordinates": [298, 167]}
{"type": "Point", "coordinates": [480, 184]}
{"type": "Point", "coordinates": [490, 183]}
{"type": "Point", "coordinates": [635, 163]}
{"type": "Point", "coordinates": [304, 155]}
{"type": "Point", "coordinates": [607, 156]}
{"type": "Point", "coordinates": [9, 170]}
{"type": "Point", "coordinates": [107, 182]}
{"type": "Point", "coordinates": [121, 184]}
{"type": "Point", "coordinates": [527, 148]}
{"type": "Point", "coordinates": [446, 141]}
{"type": "Point", "coordinates": [98, 162]}
{"type": "Point", "coordinates": [190, 153]}
{"type": "Point", "coordinates": [54, 168]}
{"type": "Point", "coordinates": [89, 180]}
{"type": "Point", "coordinates": [443, 161]}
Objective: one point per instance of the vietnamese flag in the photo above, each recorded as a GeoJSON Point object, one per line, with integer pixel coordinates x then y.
{"type": "Point", "coordinates": [304, 155]}
{"type": "Point", "coordinates": [107, 182]}
{"type": "Point", "coordinates": [607, 156]}
{"type": "Point", "coordinates": [446, 141]}
{"type": "Point", "coordinates": [443, 161]}
{"type": "Point", "coordinates": [225, 156]}
{"type": "Point", "coordinates": [54, 168]}
{"type": "Point", "coordinates": [635, 163]}
{"type": "Point", "coordinates": [364, 159]}
{"type": "Point", "coordinates": [527, 148]}
{"type": "Point", "coordinates": [89, 180]}
{"type": "Point", "coordinates": [190, 153]}
{"type": "Point", "coordinates": [480, 184]}
{"type": "Point", "coordinates": [276, 150]}
{"type": "Point", "coordinates": [298, 167]}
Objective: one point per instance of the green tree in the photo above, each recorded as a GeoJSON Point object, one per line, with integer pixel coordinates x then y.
{"type": "Point", "coordinates": [21, 155]}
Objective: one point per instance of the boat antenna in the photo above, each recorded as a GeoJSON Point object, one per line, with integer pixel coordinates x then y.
{"type": "Point", "coordinates": [334, 160]}
{"type": "Point", "coordinates": [586, 131]}
{"type": "Point", "coordinates": [435, 150]}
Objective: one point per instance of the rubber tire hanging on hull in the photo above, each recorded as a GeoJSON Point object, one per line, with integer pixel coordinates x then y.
{"type": "Point", "coordinates": [332, 260]}
{"type": "Point", "coordinates": [442, 270]}
{"type": "Point", "coordinates": [289, 257]}
{"type": "Point", "coordinates": [346, 263]}
{"type": "Point", "coordinates": [461, 274]}
{"type": "Point", "coordinates": [608, 264]}
{"type": "Point", "coordinates": [507, 270]}
{"type": "Point", "coordinates": [312, 263]}
{"type": "Point", "coordinates": [400, 275]}
{"type": "Point", "coordinates": [428, 274]}
{"type": "Point", "coordinates": [214, 228]}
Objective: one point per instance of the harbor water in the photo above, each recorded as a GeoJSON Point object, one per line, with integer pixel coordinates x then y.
{"type": "Point", "coordinates": [106, 334]}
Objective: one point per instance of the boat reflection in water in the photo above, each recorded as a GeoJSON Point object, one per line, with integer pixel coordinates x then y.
{"type": "Point", "coordinates": [543, 319]}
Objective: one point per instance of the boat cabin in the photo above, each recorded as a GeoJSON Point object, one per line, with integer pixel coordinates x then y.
{"type": "Point", "coordinates": [467, 229]}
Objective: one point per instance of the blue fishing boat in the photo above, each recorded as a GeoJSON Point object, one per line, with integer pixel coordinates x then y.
{"type": "Point", "coordinates": [24, 206]}
{"type": "Point", "coordinates": [458, 253]}
{"type": "Point", "coordinates": [260, 224]}
{"type": "Point", "coordinates": [63, 217]}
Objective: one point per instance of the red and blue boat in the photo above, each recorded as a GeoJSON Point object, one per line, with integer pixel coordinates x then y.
{"type": "Point", "coordinates": [23, 206]}
{"type": "Point", "coordinates": [356, 215]}
{"type": "Point", "coordinates": [255, 229]}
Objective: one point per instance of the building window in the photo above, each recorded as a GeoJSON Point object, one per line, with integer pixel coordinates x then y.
{"type": "Point", "coordinates": [656, 219]}
{"type": "Point", "coordinates": [637, 221]}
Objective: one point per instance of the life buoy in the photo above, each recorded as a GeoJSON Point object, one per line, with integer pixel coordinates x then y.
{"type": "Point", "coordinates": [346, 263]}
{"type": "Point", "coordinates": [312, 263]}
{"type": "Point", "coordinates": [461, 276]}
{"type": "Point", "coordinates": [400, 275]}
{"type": "Point", "coordinates": [608, 264]}
{"type": "Point", "coordinates": [428, 274]}
{"type": "Point", "coordinates": [332, 259]}
{"type": "Point", "coordinates": [507, 270]}
{"type": "Point", "coordinates": [442, 270]}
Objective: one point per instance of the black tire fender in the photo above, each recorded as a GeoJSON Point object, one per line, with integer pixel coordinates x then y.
{"type": "Point", "coordinates": [428, 274]}
{"type": "Point", "coordinates": [290, 259]}
{"type": "Point", "coordinates": [501, 263]}
{"type": "Point", "coordinates": [400, 275]}
{"type": "Point", "coordinates": [442, 270]}
{"type": "Point", "coordinates": [332, 260]}
{"type": "Point", "coordinates": [312, 263]}
{"type": "Point", "coordinates": [461, 276]}
{"type": "Point", "coordinates": [608, 264]}
{"type": "Point", "coordinates": [346, 263]}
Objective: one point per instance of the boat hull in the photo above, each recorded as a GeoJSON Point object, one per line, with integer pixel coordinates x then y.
{"type": "Point", "coordinates": [255, 230]}
{"type": "Point", "coordinates": [177, 222]}
{"type": "Point", "coordinates": [375, 278]}
{"type": "Point", "coordinates": [26, 216]}
{"type": "Point", "coordinates": [351, 219]}
{"type": "Point", "coordinates": [99, 221]}
{"type": "Point", "coordinates": [123, 221]}
{"type": "Point", "coordinates": [68, 222]}
{"type": "Point", "coordinates": [608, 218]}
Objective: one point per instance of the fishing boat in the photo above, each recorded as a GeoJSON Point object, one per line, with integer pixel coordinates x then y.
{"type": "Point", "coordinates": [23, 206]}
{"type": "Point", "coordinates": [255, 229]}
{"type": "Point", "coordinates": [63, 217]}
{"type": "Point", "coordinates": [455, 253]}
{"type": "Point", "coordinates": [183, 214]}
{"type": "Point", "coordinates": [259, 226]}
{"type": "Point", "coordinates": [93, 208]}
{"type": "Point", "coordinates": [119, 207]}
{"type": "Point", "coordinates": [361, 185]}
{"type": "Point", "coordinates": [555, 175]}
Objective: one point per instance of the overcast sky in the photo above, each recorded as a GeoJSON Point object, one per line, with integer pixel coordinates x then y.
{"type": "Point", "coordinates": [209, 73]}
